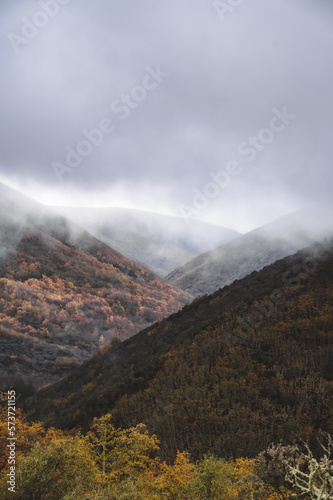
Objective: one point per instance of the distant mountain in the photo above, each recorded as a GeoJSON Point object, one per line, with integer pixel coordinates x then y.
{"type": "Point", "coordinates": [229, 374]}
{"type": "Point", "coordinates": [253, 251]}
{"type": "Point", "coordinates": [159, 242]}
{"type": "Point", "coordinates": [64, 293]}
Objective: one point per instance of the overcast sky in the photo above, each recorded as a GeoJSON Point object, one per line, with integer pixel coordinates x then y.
{"type": "Point", "coordinates": [218, 112]}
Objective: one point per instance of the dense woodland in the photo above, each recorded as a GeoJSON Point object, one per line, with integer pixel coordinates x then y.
{"type": "Point", "coordinates": [229, 398]}
{"type": "Point", "coordinates": [59, 302]}
{"type": "Point", "coordinates": [229, 374]}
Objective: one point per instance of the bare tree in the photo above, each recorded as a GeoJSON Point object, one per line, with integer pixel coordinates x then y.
{"type": "Point", "coordinates": [312, 477]}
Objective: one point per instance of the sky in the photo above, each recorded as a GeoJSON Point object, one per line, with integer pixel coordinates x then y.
{"type": "Point", "coordinates": [215, 110]}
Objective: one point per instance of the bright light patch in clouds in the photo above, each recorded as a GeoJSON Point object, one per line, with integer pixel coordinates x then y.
{"type": "Point", "coordinates": [113, 196]}
{"type": "Point", "coordinates": [224, 80]}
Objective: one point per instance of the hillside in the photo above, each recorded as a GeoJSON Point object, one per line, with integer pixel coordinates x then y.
{"type": "Point", "coordinates": [229, 374]}
{"type": "Point", "coordinates": [159, 242]}
{"type": "Point", "coordinates": [63, 293]}
{"type": "Point", "coordinates": [252, 251]}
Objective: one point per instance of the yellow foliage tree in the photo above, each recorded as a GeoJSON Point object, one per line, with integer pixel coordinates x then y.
{"type": "Point", "coordinates": [26, 434]}
{"type": "Point", "coordinates": [121, 453]}
{"type": "Point", "coordinates": [246, 484]}
{"type": "Point", "coordinates": [65, 468]}
{"type": "Point", "coordinates": [168, 481]}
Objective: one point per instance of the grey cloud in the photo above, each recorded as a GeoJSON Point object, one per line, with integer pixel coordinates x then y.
{"type": "Point", "coordinates": [224, 80]}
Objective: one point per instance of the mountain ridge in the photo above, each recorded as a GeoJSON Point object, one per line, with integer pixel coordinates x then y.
{"type": "Point", "coordinates": [229, 373]}
{"type": "Point", "coordinates": [160, 242]}
{"type": "Point", "coordinates": [64, 293]}
{"type": "Point", "coordinates": [252, 251]}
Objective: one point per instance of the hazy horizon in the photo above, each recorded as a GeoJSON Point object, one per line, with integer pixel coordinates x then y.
{"type": "Point", "coordinates": [220, 114]}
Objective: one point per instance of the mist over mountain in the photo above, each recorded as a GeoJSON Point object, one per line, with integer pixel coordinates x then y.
{"type": "Point", "coordinates": [64, 293]}
{"type": "Point", "coordinates": [228, 374]}
{"type": "Point", "coordinates": [253, 251]}
{"type": "Point", "coordinates": [160, 242]}
{"type": "Point", "coordinates": [166, 279]}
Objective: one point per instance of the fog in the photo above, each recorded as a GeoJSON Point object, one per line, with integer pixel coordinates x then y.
{"type": "Point", "coordinates": [20, 215]}
{"type": "Point", "coordinates": [171, 107]}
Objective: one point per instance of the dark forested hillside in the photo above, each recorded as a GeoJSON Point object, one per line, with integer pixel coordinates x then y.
{"type": "Point", "coordinates": [63, 293]}
{"type": "Point", "coordinates": [228, 374]}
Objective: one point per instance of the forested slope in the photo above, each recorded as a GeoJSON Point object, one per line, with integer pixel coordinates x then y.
{"type": "Point", "coordinates": [228, 374]}
{"type": "Point", "coordinates": [63, 293]}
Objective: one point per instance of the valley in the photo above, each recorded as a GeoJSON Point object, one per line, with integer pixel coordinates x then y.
{"type": "Point", "coordinates": [88, 335]}
{"type": "Point", "coordinates": [166, 250]}
{"type": "Point", "coordinates": [160, 242]}
{"type": "Point", "coordinates": [64, 293]}
{"type": "Point", "coordinates": [226, 374]}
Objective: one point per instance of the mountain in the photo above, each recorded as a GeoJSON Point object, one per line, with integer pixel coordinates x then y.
{"type": "Point", "coordinates": [229, 374]}
{"type": "Point", "coordinates": [64, 293]}
{"type": "Point", "coordinates": [159, 242]}
{"type": "Point", "coordinates": [252, 251]}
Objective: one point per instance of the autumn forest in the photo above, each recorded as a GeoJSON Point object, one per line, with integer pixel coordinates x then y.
{"type": "Point", "coordinates": [117, 385]}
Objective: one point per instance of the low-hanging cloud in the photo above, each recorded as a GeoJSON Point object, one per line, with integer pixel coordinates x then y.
{"type": "Point", "coordinates": [224, 80]}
